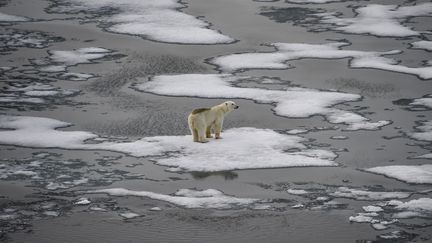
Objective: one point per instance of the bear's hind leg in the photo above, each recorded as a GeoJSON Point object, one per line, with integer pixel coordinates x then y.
{"type": "Point", "coordinates": [202, 136]}
{"type": "Point", "coordinates": [208, 132]}
{"type": "Point", "coordinates": [195, 135]}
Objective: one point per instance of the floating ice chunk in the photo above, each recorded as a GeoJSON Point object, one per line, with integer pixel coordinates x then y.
{"type": "Point", "coordinates": [408, 173]}
{"type": "Point", "coordinates": [361, 219]}
{"type": "Point", "coordinates": [312, 1]}
{"type": "Point", "coordinates": [15, 99]}
{"type": "Point", "coordinates": [424, 131]}
{"type": "Point", "coordinates": [427, 45]}
{"type": "Point", "coordinates": [129, 215]}
{"type": "Point", "coordinates": [423, 156]}
{"type": "Point", "coordinates": [95, 208]}
{"type": "Point", "coordinates": [367, 195]}
{"type": "Point", "coordinates": [188, 198]}
{"type": "Point", "coordinates": [373, 208]}
{"type": "Point", "coordinates": [76, 76]}
{"type": "Point", "coordinates": [422, 205]}
{"type": "Point", "coordinates": [250, 148]}
{"type": "Point", "coordinates": [152, 19]}
{"type": "Point", "coordinates": [42, 93]}
{"type": "Point", "coordinates": [286, 52]}
{"type": "Point", "coordinates": [339, 137]}
{"type": "Point", "coordinates": [82, 55]}
{"type": "Point", "coordinates": [40, 132]}
{"type": "Point", "coordinates": [51, 213]}
{"type": "Point", "coordinates": [292, 102]}
{"type": "Point", "coordinates": [155, 209]}
{"type": "Point", "coordinates": [82, 201]}
{"type": "Point", "coordinates": [379, 20]}
{"type": "Point", "coordinates": [55, 186]}
{"type": "Point", "coordinates": [297, 131]}
{"type": "Point", "coordinates": [25, 173]}
{"type": "Point", "coordinates": [297, 191]}
{"type": "Point", "coordinates": [406, 215]}
{"type": "Point", "coordinates": [423, 101]}
{"type": "Point", "coordinates": [298, 206]}
{"type": "Point", "coordinates": [12, 18]}
{"type": "Point", "coordinates": [53, 68]}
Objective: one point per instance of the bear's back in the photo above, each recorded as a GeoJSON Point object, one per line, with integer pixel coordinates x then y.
{"type": "Point", "coordinates": [199, 110]}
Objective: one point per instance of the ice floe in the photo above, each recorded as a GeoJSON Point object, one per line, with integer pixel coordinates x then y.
{"type": "Point", "coordinates": [10, 39]}
{"type": "Point", "coordinates": [249, 148]}
{"type": "Point", "coordinates": [292, 51]}
{"type": "Point", "coordinates": [407, 173]}
{"type": "Point", "coordinates": [426, 101]}
{"type": "Point", "coordinates": [12, 18]}
{"type": "Point", "coordinates": [188, 198]}
{"type": "Point", "coordinates": [129, 215]}
{"type": "Point", "coordinates": [358, 194]}
{"type": "Point", "coordinates": [63, 59]}
{"type": "Point", "coordinates": [416, 207]}
{"type": "Point", "coordinates": [82, 201]}
{"type": "Point", "coordinates": [158, 20]}
{"type": "Point", "coordinates": [313, 1]}
{"type": "Point", "coordinates": [379, 20]}
{"type": "Point", "coordinates": [18, 93]}
{"type": "Point", "coordinates": [291, 102]}
{"type": "Point", "coordinates": [423, 132]}
{"type": "Point", "coordinates": [426, 45]}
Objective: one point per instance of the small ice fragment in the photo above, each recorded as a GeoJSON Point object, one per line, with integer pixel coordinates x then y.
{"type": "Point", "coordinates": [82, 201]}
{"type": "Point", "coordinates": [155, 209]}
{"type": "Point", "coordinates": [129, 215]}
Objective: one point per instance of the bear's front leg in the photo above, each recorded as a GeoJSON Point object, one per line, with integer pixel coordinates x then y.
{"type": "Point", "coordinates": [208, 132]}
{"type": "Point", "coordinates": [218, 128]}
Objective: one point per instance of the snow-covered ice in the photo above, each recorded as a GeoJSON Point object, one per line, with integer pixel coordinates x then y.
{"type": "Point", "coordinates": [81, 55]}
{"type": "Point", "coordinates": [60, 60]}
{"type": "Point", "coordinates": [292, 102]}
{"type": "Point", "coordinates": [12, 18]}
{"type": "Point", "coordinates": [426, 101]}
{"type": "Point", "coordinates": [426, 45]}
{"type": "Point", "coordinates": [249, 148]}
{"type": "Point", "coordinates": [286, 52]}
{"type": "Point", "coordinates": [408, 173]}
{"type": "Point", "coordinates": [372, 208]}
{"type": "Point", "coordinates": [297, 191]}
{"type": "Point", "coordinates": [159, 20]}
{"type": "Point", "coordinates": [421, 204]}
{"type": "Point", "coordinates": [358, 194]}
{"type": "Point", "coordinates": [129, 215]}
{"type": "Point", "coordinates": [423, 132]}
{"type": "Point", "coordinates": [379, 20]}
{"type": "Point", "coordinates": [312, 1]}
{"type": "Point", "coordinates": [188, 198]}
{"type": "Point", "coordinates": [82, 201]}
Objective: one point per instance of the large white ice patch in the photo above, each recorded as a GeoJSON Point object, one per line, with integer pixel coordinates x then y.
{"type": "Point", "coordinates": [286, 52]}
{"type": "Point", "coordinates": [241, 148]}
{"type": "Point", "coordinates": [158, 20]}
{"type": "Point", "coordinates": [408, 173]}
{"type": "Point", "coordinates": [292, 102]}
{"type": "Point", "coordinates": [188, 198]}
{"type": "Point", "coordinates": [379, 20]}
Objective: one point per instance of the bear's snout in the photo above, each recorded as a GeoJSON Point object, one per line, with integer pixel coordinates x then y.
{"type": "Point", "coordinates": [236, 107]}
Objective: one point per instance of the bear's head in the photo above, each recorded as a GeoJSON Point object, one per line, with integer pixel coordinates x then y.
{"type": "Point", "coordinates": [230, 105]}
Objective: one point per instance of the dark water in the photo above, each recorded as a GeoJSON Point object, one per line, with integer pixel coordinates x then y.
{"type": "Point", "coordinates": [107, 106]}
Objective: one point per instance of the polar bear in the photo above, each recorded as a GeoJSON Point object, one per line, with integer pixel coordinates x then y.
{"type": "Point", "coordinates": [202, 120]}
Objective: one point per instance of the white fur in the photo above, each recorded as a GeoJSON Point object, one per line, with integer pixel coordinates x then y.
{"type": "Point", "coordinates": [202, 123]}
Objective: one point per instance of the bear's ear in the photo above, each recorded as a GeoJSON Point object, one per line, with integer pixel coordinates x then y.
{"type": "Point", "coordinates": [226, 104]}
